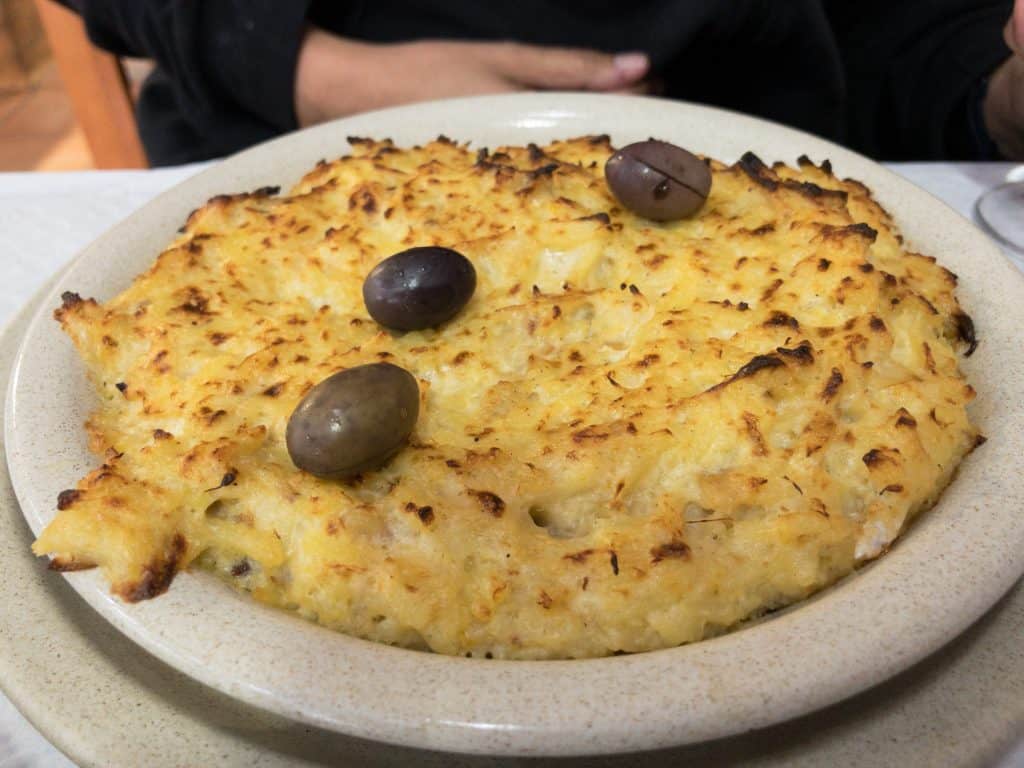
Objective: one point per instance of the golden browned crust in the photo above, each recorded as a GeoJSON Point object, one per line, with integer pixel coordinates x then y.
{"type": "Point", "coordinates": [635, 435]}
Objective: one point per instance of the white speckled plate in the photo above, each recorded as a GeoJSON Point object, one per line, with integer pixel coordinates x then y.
{"type": "Point", "coordinates": [940, 577]}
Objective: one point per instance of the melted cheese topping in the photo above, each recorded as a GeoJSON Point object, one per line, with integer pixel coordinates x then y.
{"type": "Point", "coordinates": [635, 435]}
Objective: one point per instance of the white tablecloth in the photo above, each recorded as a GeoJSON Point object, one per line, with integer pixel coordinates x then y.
{"type": "Point", "coordinates": [46, 218]}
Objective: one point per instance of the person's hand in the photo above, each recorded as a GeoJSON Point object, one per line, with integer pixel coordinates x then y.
{"type": "Point", "coordinates": [336, 76]}
{"type": "Point", "coordinates": [1004, 103]}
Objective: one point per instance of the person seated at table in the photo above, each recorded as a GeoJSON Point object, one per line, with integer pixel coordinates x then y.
{"type": "Point", "coordinates": [895, 79]}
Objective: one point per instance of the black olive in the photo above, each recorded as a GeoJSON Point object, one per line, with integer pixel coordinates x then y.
{"type": "Point", "coordinates": [353, 421]}
{"type": "Point", "coordinates": [419, 288]}
{"type": "Point", "coordinates": [658, 180]}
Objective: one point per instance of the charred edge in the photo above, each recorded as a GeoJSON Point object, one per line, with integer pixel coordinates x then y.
{"type": "Point", "coordinates": [589, 433]}
{"type": "Point", "coordinates": [930, 306]}
{"type": "Point", "coordinates": [67, 566]}
{"type": "Point", "coordinates": [535, 153]}
{"type": "Point", "coordinates": [425, 514]}
{"type": "Point", "coordinates": [929, 358]}
{"type": "Point", "coordinates": [832, 385]}
{"type": "Point", "coordinates": [364, 200]}
{"type": "Point", "coordinates": [544, 170]}
{"type": "Point", "coordinates": [757, 363]}
{"type": "Point", "coordinates": [965, 332]}
{"type": "Point", "coordinates": [213, 417]}
{"type": "Point", "coordinates": [158, 575]}
{"type": "Point", "coordinates": [602, 138]}
{"type": "Point", "coordinates": [491, 164]}
{"type": "Point", "coordinates": [904, 419]}
{"type": "Point", "coordinates": [196, 305]}
{"type": "Point", "coordinates": [752, 165]}
{"type": "Point", "coordinates": [579, 557]}
{"type": "Point", "coordinates": [873, 458]}
{"type": "Point", "coordinates": [673, 549]}
{"type": "Point", "coordinates": [782, 319]}
{"type": "Point", "coordinates": [648, 360]}
{"type": "Point", "coordinates": [755, 168]}
{"type": "Point", "coordinates": [792, 482]}
{"type": "Point", "coordinates": [356, 140]}
{"type": "Point", "coordinates": [754, 432]}
{"type": "Point", "coordinates": [810, 189]}
{"type": "Point", "coordinates": [66, 498]}
{"type": "Point", "coordinates": [771, 289]}
{"type": "Point", "coordinates": [223, 199]}
{"type": "Point", "coordinates": [861, 229]}
{"type": "Point", "coordinates": [490, 503]}
{"type": "Point", "coordinates": [228, 479]}
{"type": "Point", "coordinates": [802, 353]}
{"type": "Point", "coordinates": [602, 217]}
{"type": "Point", "coordinates": [70, 299]}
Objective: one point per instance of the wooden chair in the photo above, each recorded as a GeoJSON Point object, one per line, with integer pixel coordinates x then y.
{"type": "Point", "coordinates": [99, 92]}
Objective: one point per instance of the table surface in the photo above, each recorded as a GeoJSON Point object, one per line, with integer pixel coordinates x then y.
{"type": "Point", "coordinates": [47, 218]}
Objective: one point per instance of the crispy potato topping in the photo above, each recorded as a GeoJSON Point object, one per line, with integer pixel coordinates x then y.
{"type": "Point", "coordinates": [635, 435]}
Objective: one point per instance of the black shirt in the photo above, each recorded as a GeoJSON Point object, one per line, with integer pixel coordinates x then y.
{"type": "Point", "coordinates": [895, 79]}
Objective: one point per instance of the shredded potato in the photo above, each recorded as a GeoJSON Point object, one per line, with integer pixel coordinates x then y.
{"type": "Point", "coordinates": [635, 435]}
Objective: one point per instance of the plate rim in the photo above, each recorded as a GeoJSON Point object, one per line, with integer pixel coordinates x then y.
{"type": "Point", "coordinates": [466, 736]}
{"type": "Point", "coordinates": [178, 703]}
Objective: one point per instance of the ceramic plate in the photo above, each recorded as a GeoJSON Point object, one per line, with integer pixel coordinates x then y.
{"type": "Point", "coordinates": [939, 578]}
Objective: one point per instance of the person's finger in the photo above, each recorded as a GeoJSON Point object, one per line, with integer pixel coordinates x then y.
{"type": "Point", "coordinates": [1014, 32]}
{"type": "Point", "coordinates": [571, 68]}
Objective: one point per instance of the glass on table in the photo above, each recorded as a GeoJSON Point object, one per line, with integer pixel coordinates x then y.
{"type": "Point", "coordinates": [1000, 211]}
